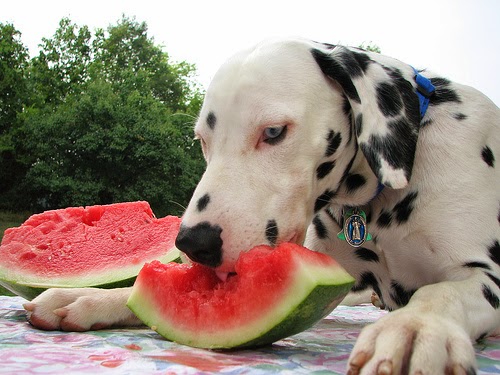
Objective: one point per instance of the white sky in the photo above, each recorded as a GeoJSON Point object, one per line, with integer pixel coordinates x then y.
{"type": "Point", "coordinates": [459, 39]}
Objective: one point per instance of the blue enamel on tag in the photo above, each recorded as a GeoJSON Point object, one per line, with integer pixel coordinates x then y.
{"type": "Point", "coordinates": [355, 231]}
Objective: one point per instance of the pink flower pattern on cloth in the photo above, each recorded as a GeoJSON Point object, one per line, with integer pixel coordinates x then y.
{"type": "Point", "coordinates": [323, 349]}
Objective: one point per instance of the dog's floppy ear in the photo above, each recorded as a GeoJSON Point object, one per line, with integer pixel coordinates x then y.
{"type": "Point", "coordinates": [385, 110]}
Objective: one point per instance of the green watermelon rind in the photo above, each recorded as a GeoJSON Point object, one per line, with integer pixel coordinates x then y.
{"type": "Point", "coordinates": [314, 293]}
{"type": "Point", "coordinates": [304, 316]}
{"type": "Point", "coordinates": [29, 286]}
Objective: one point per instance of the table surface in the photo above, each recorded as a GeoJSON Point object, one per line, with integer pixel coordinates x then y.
{"type": "Point", "coordinates": [323, 349]}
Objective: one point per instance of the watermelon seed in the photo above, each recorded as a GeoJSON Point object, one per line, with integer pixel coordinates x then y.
{"type": "Point", "coordinates": [28, 255]}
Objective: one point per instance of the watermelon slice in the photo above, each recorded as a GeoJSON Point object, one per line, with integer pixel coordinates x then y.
{"type": "Point", "coordinates": [275, 293]}
{"type": "Point", "coordinates": [100, 246]}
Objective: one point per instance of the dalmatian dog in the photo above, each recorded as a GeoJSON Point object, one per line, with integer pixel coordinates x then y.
{"type": "Point", "coordinates": [303, 140]}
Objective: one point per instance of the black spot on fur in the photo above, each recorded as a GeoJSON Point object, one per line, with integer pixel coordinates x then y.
{"type": "Point", "coordinates": [203, 202]}
{"type": "Point", "coordinates": [347, 109]}
{"type": "Point", "coordinates": [365, 281]}
{"type": "Point", "coordinates": [368, 280]}
{"type": "Point", "coordinates": [346, 106]}
{"type": "Point", "coordinates": [385, 219]}
{"type": "Point", "coordinates": [397, 148]}
{"type": "Point", "coordinates": [400, 295]}
{"type": "Point", "coordinates": [354, 182]}
{"type": "Point", "coordinates": [498, 218]}
{"type": "Point", "coordinates": [366, 254]}
{"type": "Point", "coordinates": [362, 59]}
{"type": "Point", "coordinates": [443, 93]}
{"type": "Point", "coordinates": [368, 217]}
{"type": "Point", "coordinates": [323, 200]}
{"type": "Point", "coordinates": [320, 228]}
{"type": "Point", "coordinates": [403, 209]}
{"type": "Point", "coordinates": [494, 279]}
{"type": "Point", "coordinates": [491, 297]}
{"type": "Point", "coordinates": [459, 116]}
{"type": "Point", "coordinates": [211, 120]}
{"type": "Point", "coordinates": [334, 140]}
{"type": "Point", "coordinates": [351, 64]}
{"type": "Point", "coordinates": [477, 265]}
{"type": "Point", "coordinates": [488, 156]}
{"type": "Point", "coordinates": [272, 232]}
{"type": "Point", "coordinates": [494, 251]}
{"type": "Point", "coordinates": [425, 122]}
{"type": "Point", "coordinates": [388, 99]}
{"type": "Point", "coordinates": [359, 124]}
{"type": "Point", "coordinates": [371, 152]}
{"type": "Point", "coordinates": [408, 95]}
{"type": "Point", "coordinates": [334, 69]}
{"type": "Point", "coordinates": [324, 169]}
{"type": "Point", "coordinates": [347, 169]}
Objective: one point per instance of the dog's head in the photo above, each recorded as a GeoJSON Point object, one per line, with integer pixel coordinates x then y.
{"type": "Point", "coordinates": [280, 128]}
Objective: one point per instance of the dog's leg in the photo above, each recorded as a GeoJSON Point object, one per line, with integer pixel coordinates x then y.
{"type": "Point", "coordinates": [81, 309]}
{"type": "Point", "coordinates": [433, 333]}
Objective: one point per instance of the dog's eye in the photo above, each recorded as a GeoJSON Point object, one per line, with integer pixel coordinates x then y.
{"type": "Point", "coordinates": [274, 134]}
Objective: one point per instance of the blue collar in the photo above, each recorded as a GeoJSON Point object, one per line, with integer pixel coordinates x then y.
{"type": "Point", "coordinates": [425, 89]}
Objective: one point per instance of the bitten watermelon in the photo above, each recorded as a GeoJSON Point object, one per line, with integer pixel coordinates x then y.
{"type": "Point", "coordinates": [100, 246]}
{"type": "Point", "coordinates": [275, 293]}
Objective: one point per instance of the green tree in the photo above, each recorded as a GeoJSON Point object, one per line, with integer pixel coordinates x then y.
{"type": "Point", "coordinates": [370, 46]}
{"type": "Point", "coordinates": [110, 120]}
{"type": "Point", "coordinates": [13, 62]}
{"type": "Point", "coordinates": [106, 148]}
{"type": "Point", "coordinates": [129, 58]}
{"type": "Point", "coordinates": [62, 65]}
{"type": "Point", "coordinates": [13, 93]}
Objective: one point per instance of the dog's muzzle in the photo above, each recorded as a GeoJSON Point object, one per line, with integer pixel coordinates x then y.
{"type": "Point", "coordinates": [201, 243]}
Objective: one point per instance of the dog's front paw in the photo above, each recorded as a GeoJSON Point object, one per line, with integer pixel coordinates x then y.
{"type": "Point", "coordinates": [404, 342]}
{"type": "Point", "coordinates": [80, 309]}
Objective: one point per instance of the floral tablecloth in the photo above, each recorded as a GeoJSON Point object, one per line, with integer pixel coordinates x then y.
{"type": "Point", "coordinates": [323, 349]}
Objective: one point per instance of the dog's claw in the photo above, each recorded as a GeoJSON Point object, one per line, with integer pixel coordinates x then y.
{"type": "Point", "coordinates": [61, 312]}
{"type": "Point", "coordinates": [458, 370]}
{"type": "Point", "coordinates": [356, 363]}
{"type": "Point", "coordinates": [29, 306]}
{"type": "Point", "coordinates": [384, 368]}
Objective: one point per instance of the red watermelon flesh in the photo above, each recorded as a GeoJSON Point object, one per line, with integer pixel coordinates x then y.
{"type": "Point", "coordinates": [88, 246]}
{"type": "Point", "coordinates": [274, 293]}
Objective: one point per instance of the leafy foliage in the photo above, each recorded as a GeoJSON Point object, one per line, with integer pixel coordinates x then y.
{"type": "Point", "coordinates": [105, 117]}
{"type": "Point", "coordinates": [13, 91]}
{"type": "Point", "coordinates": [370, 46]}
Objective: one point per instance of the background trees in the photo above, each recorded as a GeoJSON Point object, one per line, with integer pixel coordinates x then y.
{"type": "Point", "coordinates": [97, 117]}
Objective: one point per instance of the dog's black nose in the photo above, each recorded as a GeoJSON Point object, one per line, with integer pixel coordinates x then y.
{"type": "Point", "coordinates": [201, 243]}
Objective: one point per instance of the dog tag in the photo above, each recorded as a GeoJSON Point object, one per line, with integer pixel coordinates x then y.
{"type": "Point", "coordinates": [355, 231]}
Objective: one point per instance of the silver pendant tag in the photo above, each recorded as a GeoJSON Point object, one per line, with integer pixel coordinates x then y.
{"type": "Point", "coordinates": [355, 231]}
